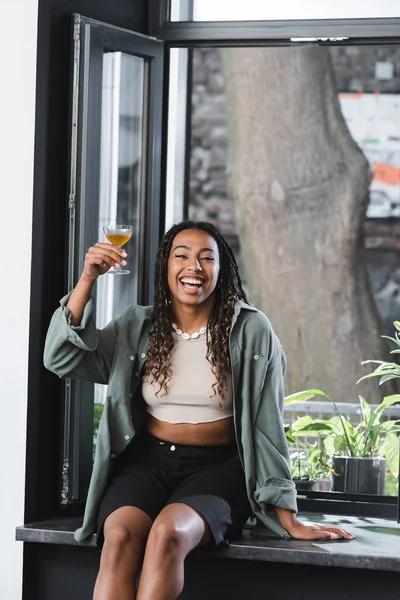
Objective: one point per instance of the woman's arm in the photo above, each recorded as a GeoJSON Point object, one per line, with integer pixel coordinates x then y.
{"type": "Point", "coordinates": [277, 488]}
{"type": "Point", "coordinates": [78, 299]}
{"type": "Point", "coordinates": [74, 347]}
{"type": "Point", "coordinates": [98, 260]}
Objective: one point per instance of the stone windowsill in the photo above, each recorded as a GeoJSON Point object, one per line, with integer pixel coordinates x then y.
{"type": "Point", "coordinates": [377, 545]}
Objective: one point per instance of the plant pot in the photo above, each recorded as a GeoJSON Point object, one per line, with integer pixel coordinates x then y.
{"type": "Point", "coordinates": [304, 485]}
{"type": "Point", "coordinates": [359, 475]}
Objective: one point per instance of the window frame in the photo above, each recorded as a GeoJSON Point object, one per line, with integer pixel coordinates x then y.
{"type": "Point", "coordinates": [91, 40]}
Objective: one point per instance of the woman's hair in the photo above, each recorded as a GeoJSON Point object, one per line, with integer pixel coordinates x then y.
{"type": "Point", "coordinates": [227, 291]}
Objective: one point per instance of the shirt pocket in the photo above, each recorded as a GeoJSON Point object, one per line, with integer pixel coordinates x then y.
{"type": "Point", "coordinates": [253, 376]}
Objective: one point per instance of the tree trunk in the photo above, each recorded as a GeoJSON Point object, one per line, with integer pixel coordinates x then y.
{"type": "Point", "coordinates": [300, 188]}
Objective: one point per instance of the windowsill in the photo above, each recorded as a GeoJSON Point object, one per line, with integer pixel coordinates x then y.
{"type": "Point", "coordinates": [377, 545]}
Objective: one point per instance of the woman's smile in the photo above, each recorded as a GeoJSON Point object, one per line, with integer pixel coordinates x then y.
{"type": "Point", "coordinates": [192, 285]}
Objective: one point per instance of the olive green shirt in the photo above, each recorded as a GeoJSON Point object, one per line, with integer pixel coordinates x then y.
{"type": "Point", "coordinates": [115, 356]}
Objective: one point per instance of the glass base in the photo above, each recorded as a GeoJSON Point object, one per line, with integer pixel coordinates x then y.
{"type": "Point", "coordinates": [113, 271]}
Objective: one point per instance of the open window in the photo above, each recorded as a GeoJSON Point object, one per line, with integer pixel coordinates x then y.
{"type": "Point", "coordinates": [114, 178]}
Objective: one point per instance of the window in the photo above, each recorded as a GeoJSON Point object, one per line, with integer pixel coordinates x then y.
{"type": "Point", "coordinates": [120, 184]}
{"type": "Point", "coordinates": [115, 178]}
{"type": "Point", "coordinates": [295, 156]}
{"type": "Point", "coordinates": [294, 153]}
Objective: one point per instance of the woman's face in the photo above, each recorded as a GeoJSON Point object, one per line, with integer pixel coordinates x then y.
{"type": "Point", "coordinates": [193, 267]}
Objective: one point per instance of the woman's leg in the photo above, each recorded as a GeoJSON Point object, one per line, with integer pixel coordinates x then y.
{"type": "Point", "coordinates": [125, 535]}
{"type": "Point", "coordinates": [177, 530]}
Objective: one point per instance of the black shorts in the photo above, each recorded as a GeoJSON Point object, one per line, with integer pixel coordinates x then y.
{"type": "Point", "coordinates": [151, 474]}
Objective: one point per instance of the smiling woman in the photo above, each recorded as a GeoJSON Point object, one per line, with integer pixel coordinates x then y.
{"type": "Point", "coordinates": [177, 465]}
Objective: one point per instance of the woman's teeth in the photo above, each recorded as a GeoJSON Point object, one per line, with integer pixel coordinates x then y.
{"type": "Point", "coordinates": [193, 282]}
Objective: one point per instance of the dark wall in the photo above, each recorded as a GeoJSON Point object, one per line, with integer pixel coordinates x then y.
{"type": "Point", "coordinates": [69, 573]}
{"type": "Point", "coordinates": [53, 99]}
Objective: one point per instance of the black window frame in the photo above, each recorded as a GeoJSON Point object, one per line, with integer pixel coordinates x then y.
{"type": "Point", "coordinates": [91, 40]}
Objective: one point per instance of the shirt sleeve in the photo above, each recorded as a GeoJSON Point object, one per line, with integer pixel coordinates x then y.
{"type": "Point", "coordinates": [83, 351]}
{"type": "Point", "coordinates": [274, 481]}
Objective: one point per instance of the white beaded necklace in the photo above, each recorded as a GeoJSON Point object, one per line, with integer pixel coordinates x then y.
{"type": "Point", "coordinates": [188, 336]}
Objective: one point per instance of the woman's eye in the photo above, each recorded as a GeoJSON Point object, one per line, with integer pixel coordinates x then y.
{"type": "Point", "coordinates": [180, 256]}
{"type": "Point", "coordinates": [208, 258]}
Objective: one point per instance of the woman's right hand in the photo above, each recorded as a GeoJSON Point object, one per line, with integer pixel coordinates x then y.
{"type": "Point", "coordinates": [100, 258]}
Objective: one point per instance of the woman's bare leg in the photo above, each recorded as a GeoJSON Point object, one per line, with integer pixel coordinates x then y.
{"type": "Point", "coordinates": [125, 535]}
{"type": "Point", "coordinates": [177, 530]}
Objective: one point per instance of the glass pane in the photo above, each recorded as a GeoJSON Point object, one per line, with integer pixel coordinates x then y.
{"type": "Point", "coordinates": [259, 10]}
{"type": "Point", "coordinates": [295, 156]}
{"type": "Point", "coordinates": [120, 180]}
{"type": "Point", "coordinates": [176, 150]}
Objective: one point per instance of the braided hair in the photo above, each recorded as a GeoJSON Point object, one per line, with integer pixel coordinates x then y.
{"type": "Point", "coordinates": [228, 290]}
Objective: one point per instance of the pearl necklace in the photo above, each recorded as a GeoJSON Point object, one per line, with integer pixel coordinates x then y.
{"type": "Point", "coordinates": [188, 336]}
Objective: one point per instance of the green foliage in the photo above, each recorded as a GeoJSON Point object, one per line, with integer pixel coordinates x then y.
{"type": "Point", "coordinates": [371, 437]}
{"type": "Point", "coordinates": [339, 437]}
{"type": "Point", "coordinates": [97, 412]}
{"type": "Point", "coordinates": [391, 485]}
{"type": "Point", "coordinates": [308, 461]}
{"type": "Point", "coordinates": [386, 370]}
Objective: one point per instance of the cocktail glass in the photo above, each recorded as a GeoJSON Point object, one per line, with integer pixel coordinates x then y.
{"type": "Point", "coordinates": [118, 235]}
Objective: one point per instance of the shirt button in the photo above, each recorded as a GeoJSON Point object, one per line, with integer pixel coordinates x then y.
{"type": "Point", "coordinates": [143, 355]}
{"type": "Point", "coordinates": [127, 437]}
{"type": "Point", "coordinates": [136, 374]}
{"type": "Point", "coordinates": [256, 357]}
{"type": "Point", "coordinates": [130, 395]}
{"type": "Point", "coordinates": [132, 358]}
{"type": "Point", "coordinates": [173, 448]}
{"type": "Point", "coordinates": [112, 455]}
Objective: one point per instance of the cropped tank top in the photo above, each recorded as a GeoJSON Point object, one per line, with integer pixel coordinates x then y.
{"type": "Point", "coordinates": [191, 397]}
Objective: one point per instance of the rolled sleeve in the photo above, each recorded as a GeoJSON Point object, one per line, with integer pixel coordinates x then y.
{"type": "Point", "coordinates": [277, 492]}
{"type": "Point", "coordinates": [83, 351]}
{"type": "Point", "coordinates": [85, 335]}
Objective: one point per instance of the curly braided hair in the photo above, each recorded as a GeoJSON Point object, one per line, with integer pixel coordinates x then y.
{"type": "Point", "coordinates": [227, 291]}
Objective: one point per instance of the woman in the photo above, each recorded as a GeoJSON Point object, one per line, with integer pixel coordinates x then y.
{"type": "Point", "coordinates": [191, 441]}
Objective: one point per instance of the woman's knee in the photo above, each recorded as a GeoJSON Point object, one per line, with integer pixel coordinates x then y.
{"type": "Point", "coordinates": [175, 533]}
{"type": "Point", "coordinates": [120, 547]}
{"type": "Point", "coordinates": [124, 539]}
{"type": "Point", "coordinates": [166, 537]}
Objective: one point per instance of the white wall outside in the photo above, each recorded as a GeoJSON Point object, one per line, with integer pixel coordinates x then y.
{"type": "Point", "coordinates": [237, 10]}
{"type": "Point", "coordinates": [17, 114]}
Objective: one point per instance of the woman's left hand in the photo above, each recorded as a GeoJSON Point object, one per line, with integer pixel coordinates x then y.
{"type": "Point", "coordinates": [314, 531]}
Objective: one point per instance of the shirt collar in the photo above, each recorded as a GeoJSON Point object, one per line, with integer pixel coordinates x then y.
{"type": "Point", "coordinates": [242, 305]}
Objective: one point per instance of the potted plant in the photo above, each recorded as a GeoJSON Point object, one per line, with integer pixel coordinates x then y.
{"type": "Point", "coordinates": [308, 463]}
{"type": "Point", "coordinates": [359, 453]}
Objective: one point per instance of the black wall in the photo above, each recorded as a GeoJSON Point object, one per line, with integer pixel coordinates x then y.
{"type": "Point", "coordinates": [53, 100]}
{"type": "Point", "coordinates": [69, 573]}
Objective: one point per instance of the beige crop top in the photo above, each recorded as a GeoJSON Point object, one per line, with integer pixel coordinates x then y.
{"type": "Point", "coordinates": [190, 397]}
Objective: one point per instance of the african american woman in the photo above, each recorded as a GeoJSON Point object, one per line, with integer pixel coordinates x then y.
{"type": "Point", "coordinates": [191, 440]}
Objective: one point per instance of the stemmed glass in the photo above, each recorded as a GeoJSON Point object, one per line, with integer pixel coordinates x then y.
{"type": "Point", "coordinates": [118, 235]}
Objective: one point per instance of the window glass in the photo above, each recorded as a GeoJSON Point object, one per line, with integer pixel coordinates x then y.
{"type": "Point", "coordinates": [254, 10]}
{"type": "Point", "coordinates": [177, 144]}
{"type": "Point", "coordinates": [295, 156]}
{"type": "Point", "coordinates": [120, 182]}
